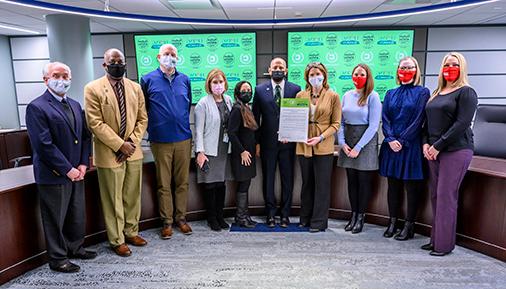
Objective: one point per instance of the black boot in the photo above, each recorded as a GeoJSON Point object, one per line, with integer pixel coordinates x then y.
{"type": "Point", "coordinates": [242, 217]}
{"type": "Point", "coordinates": [352, 222]}
{"type": "Point", "coordinates": [390, 231]}
{"type": "Point", "coordinates": [220, 203]}
{"type": "Point", "coordinates": [210, 199]}
{"type": "Point", "coordinates": [408, 232]}
{"type": "Point", "coordinates": [359, 225]}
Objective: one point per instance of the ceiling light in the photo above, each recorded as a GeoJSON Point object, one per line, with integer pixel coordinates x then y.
{"type": "Point", "coordinates": [259, 22]}
{"type": "Point", "coordinates": [18, 29]}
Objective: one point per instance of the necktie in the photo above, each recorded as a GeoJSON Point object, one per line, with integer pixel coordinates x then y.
{"type": "Point", "coordinates": [69, 113]}
{"type": "Point", "coordinates": [277, 95]}
{"type": "Point", "coordinates": [122, 107]}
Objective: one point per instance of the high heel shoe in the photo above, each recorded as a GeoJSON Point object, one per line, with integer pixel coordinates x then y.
{"type": "Point", "coordinates": [352, 222]}
{"type": "Point", "coordinates": [408, 232]}
{"type": "Point", "coordinates": [390, 231]}
{"type": "Point", "coordinates": [359, 225]}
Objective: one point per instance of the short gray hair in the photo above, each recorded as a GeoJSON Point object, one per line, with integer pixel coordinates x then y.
{"type": "Point", "coordinates": [49, 67]}
{"type": "Point", "coordinates": [165, 46]}
{"type": "Point", "coordinates": [109, 51]}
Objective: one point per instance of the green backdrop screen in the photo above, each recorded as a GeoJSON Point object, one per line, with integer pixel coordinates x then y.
{"type": "Point", "coordinates": [340, 51]}
{"type": "Point", "coordinates": [234, 53]}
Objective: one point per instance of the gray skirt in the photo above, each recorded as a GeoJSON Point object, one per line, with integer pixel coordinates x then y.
{"type": "Point", "coordinates": [219, 167]}
{"type": "Point", "coordinates": [367, 159]}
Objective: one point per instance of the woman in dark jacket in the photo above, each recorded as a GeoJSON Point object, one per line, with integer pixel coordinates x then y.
{"type": "Point", "coordinates": [241, 131]}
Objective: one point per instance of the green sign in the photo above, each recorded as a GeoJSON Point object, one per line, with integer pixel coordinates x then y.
{"type": "Point", "coordinates": [234, 53]}
{"type": "Point", "coordinates": [341, 51]}
{"type": "Point", "coordinates": [295, 102]}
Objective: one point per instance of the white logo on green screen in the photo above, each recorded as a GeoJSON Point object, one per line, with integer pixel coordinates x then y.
{"type": "Point", "coordinates": [331, 57]}
{"type": "Point", "coordinates": [400, 55]}
{"type": "Point", "coordinates": [180, 60]}
{"type": "Point", "coordinates": [212, 59]}
{"type": "Point", "coordinates": [245, 58]}
{"type": "Point", "coordinates": [146, 60]}
{"type": "Point", "coordinates": [367, 56]}
{"type": "Point", "coordinates": [298, 57]}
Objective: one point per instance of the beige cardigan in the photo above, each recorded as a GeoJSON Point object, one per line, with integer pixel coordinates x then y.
{"type": "Point", "coordinates": [327, 120]}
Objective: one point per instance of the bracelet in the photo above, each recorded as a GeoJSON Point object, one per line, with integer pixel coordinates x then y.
{"type": "Point", "coordinates": [321, 138]}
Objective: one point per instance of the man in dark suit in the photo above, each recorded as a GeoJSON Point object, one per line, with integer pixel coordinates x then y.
{"type": "Point", "coordinates": [61, 146]}
{"type": "Point", "coordinates": [266, 103]}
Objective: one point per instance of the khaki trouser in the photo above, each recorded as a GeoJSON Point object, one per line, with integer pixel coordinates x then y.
{"type": "Point", "coordinates": [172, 160]}
{"type": "Point", "coordinates": [120, 193]}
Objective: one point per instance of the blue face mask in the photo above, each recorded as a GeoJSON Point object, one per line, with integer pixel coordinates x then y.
{"type": "Point", "coordinates": [168, 61]}
{"type": "Point", "coordinates": [58, 86]}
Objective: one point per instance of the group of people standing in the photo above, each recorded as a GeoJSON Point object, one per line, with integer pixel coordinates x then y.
{"type": "Point", "coordinates": [230, 135]}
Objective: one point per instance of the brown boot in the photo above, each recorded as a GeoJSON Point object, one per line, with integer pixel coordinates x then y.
{"type": "Point", "coordinates": [136, 241]}
{"type": "Point", "coordinates": [184, 227]}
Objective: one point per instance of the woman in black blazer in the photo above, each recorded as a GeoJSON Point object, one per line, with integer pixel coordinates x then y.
{"type": "Point", "coordinates": [241, 131]}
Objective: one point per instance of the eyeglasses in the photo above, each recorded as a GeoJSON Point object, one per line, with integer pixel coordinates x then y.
{"type": "Point", "coordinates": [407, 67]}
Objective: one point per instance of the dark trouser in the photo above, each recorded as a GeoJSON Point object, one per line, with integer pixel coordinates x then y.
{"type": "Point", "coordinates": [270, 158]}
{"type": "Point", "coordinates": [446, 174]}
{"type": "Point", "coordinates": [315, 195]}
{"type": "Point", "coordinates": [359, 189]}
{"type": "Point", "coordinates": [214, 196]}
{"type": "Point", "coordinates": [242, 199]}
{"type": "Point", "coordinates": [414, 189]}
{"type": "Point", "coordinates": [62, 211]}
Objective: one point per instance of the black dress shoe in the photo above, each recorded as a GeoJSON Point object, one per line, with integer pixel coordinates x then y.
{"type": "Point", "coordinates": [271, 223]}
{"type": "Point", "coordinates": [438, 254]}
{"type": "Point", "coordinates": [303, 225]}
{"type": "Point", "coordinates": [284, 222]}
{"type": "Point", "coordinates": [66, 267]}
{"type": "Point", "coordinates": [316, 230]}
{"type": "Point", "coordinates": [87, 255]}
{"type": "Point", "coordinates": [427, 247]}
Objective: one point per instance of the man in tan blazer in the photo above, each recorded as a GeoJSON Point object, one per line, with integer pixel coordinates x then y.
{"type": "Point", "coordinates": [116, 115]}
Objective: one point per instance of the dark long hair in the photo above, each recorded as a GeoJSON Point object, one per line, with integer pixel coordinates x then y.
{"type": "Point", "coordinates": [247, 115]}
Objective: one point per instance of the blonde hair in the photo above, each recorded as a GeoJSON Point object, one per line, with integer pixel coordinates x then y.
{"type": "Point", "coordinates": [369, 83]}
{"type": "Point", "coordinates": [320, 67]}
{"type": "Point", "coordinates": [417, 79]}
{"type": "Point", "coordinates": [212, 74]}
{"type": "Point", "coordinates": [461, 81]}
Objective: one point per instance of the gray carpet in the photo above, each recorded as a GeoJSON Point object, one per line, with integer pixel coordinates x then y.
{"type": "Point", "coordinates": [334, 259]}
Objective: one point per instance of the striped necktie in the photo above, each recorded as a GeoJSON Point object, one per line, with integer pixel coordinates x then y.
{"type": "Point", "coordinates": [120, 94]}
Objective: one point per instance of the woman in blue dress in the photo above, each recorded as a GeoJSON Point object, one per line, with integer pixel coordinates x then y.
{"type": "Point", "coordinates": [401, 157]}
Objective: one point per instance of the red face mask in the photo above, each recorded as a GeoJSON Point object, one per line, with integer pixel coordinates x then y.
{"type": "Point", "coordinates": [451, 73]}
{"type": "Point", "coordinates": [359, 81]}
{"type": "Point", "coordinates": [406, 75]}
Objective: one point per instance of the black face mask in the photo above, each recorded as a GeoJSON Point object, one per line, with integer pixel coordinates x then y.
{"type": "Point", "coordinates": [278, 75]}
{"type": "Point", "coordinates": [116, 70]}
{"type": "Point", "coordinates": [245, 96]}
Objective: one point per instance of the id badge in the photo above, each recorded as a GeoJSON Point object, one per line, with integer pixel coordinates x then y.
{"type": "Point", "coordinates": [225, 137]}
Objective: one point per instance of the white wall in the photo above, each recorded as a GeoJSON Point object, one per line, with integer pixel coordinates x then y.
{"type": "Point", "coordinates": [8, 111]}
{"type": "Point", "coordinates": [485, 52]}
{"type": "Point", "coordinates": [30, 54]}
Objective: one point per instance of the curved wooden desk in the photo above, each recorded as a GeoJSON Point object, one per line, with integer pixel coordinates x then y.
{"type": "Point", "coordinates": [481, 216]}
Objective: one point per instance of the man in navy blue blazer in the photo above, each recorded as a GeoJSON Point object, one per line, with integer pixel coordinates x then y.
{"type": "Point", "coordinates": [61, 146]}
{"type": "Point", "coordinates": [266, 103]}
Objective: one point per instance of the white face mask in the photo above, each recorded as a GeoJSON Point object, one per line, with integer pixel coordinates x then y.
{"type": "Point", "coordinates": [316, 81]}
{"type": "Point", "coordinates": [58, 86]}
{"type": "Point", "coordinates": [168, 61]}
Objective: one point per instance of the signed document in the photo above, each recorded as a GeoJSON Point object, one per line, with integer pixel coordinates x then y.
{"type": "Point", "coordinates": [294, 120]}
